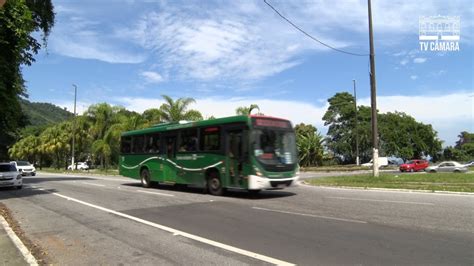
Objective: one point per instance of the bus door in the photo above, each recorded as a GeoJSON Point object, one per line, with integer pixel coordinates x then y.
{"type": "Point", "coordinates": [234, 156]}
{"type": "Point", "coordinates": [169, 168]}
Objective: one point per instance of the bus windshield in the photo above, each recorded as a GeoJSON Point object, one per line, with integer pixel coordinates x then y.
{"type": "Point", "coordinates": [274, 147]}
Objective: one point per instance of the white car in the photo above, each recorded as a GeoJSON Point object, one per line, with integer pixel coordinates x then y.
{"type": "Point", "coordinates": [25, 167]}
{"type": "Point", "coordinates": [448, 166]}
{"type": "Point", "coordinates": [383, 161]}
{"type": "Point", "coordinates": [10, 176]}
{"type": "Point", "coordinates": [79, 166]}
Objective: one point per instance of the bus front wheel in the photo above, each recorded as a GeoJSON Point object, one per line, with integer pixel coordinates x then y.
{"type": "Point", "coordinates": [145, 178]}
{"type": "Point", "coordinates": [214, 184]}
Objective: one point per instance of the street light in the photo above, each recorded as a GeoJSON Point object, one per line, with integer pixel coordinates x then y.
{"type": "Point", "coordinates": [74, 127]}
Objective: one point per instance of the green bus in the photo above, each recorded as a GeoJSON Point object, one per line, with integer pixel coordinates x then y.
{"type": "Point", "coordinates": [239, 152]}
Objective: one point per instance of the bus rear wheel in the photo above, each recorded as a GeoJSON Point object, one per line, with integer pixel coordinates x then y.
{"type": "Point", "coordinates": [214, 184]}
{"type": "Point", "coordinates": [145, 178]}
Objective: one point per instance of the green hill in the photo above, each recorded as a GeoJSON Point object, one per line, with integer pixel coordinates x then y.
{"type": "Point", "coordinates": [40, 114]}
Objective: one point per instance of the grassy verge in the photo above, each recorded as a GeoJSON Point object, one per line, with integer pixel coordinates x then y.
{"type": "Point", "coordinates": [341, 168]}
{"type": "Point", "coordinates": [462, 182]}
{"type": "Point", "coordinates": [88, 172]}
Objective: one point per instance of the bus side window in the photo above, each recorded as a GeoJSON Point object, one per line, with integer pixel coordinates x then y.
{"type": "Point", "coordinates": [126, 145]}
{"type": "Point", "coordinates": [210, 139]}
{"type": "Point", "coordinates": [170, 143]}
{"type": "Point", "coordinates": [152, 143]}
{"type": "Point", "coordinates": [188, 140]}
{"type": "Point", "coordinates": [138, 144]}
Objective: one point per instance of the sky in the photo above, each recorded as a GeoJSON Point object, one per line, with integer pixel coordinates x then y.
{"type": "Point", "coordinates": [227, 54]}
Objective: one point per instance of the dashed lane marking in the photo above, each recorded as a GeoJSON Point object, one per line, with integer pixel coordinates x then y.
{"type": "Point", "coordinates": [156, 193]}
{"type": "Point", "coordinates": [311, 215]}
{"type": "Point", "coordinates": [388, 201]}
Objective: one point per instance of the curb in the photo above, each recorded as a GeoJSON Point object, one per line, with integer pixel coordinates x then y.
{"type": "Point", "coordinates": [29, 258]}
{"type": "Point", "coordinates": [77, 174]}
{"type": "Point", "coordinates": [394, 190]}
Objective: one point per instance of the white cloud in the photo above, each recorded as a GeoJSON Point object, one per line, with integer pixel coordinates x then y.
{"type": "Point", "coordinates": [222, 43]}
{"type": "Point", "coordinates": [449, 114]}
{"type": "Point", "coordinates": [152, 77]}
{"type": "Point", "coordinates": [78, 37]}
{"type": "Point", "coordinates": [238, 40]}
{"type": "Point", "coordinates": [91, 48]}
{"type": "Point", "coordinates": [419, 60]}
{"type": "Point", "coordinates": [414, 77]}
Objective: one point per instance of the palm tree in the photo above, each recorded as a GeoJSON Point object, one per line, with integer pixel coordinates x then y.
{"type": "Point", "coordinates": [310, 149]}
{"type": "Point", "coordinates": [246, 110]}
{"type": "Point", "coordinates": [310, 145]}
{"type": "Point", "coordinates": [102, 117]}
{"type": "Point", "coordinates": [103, 151]}
{"type": "Point", "coordinates": [124, 123]}
{"type": "Point", "coordinates": [83, 137]}
{"type": "Point", "coordinates": [56, 141]}
{"type": "Point", "coordinates": [152, 116]}
{"type": "Point", "coordinates": [172, 111]}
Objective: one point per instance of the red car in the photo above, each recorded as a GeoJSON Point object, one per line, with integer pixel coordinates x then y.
{"type": "Point", "coordinates": [414, 166]}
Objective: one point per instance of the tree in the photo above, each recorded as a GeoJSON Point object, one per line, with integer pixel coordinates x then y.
{"type": "Point", "coordinates": [463, 150]}
{"type": "Point", "coordinates": [55, 142]}
{"type": "Point", "coordinates": [26, 149]}
{"type": "Point", "coordinates": [173, 111]}
{"type": "Point", "coordinates": [107, 122]}
{"type": "Point", "coordinates": [103, 151]}
{"type": "Point", "coordinates": [399, 134]}
{"type": "Point", "coordinates": [402, 136]}
{"type": "Point", "coordinates": [464, 138]}
{"type": "Point", "coordinates": [83, 139]}
{"type": "Point", "coordinates": [310, 145]}
{"type": "Point", "coordinates": [152, 116]}
{"type": "Point", "coordinates": [102, 116]}
{"type": "Point", "coordinates": [341, 136]}
{"type": "Point", "coordinates": [242, 110]}
{"type": "Point", "coordinates": [18, 20]}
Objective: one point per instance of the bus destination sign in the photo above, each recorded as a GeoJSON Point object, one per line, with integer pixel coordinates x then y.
{"type": "Point", "coordinates": [260, 122]}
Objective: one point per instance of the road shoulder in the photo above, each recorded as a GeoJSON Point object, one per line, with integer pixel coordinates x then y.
{"type": "Point", "coordinates": [17, 248]}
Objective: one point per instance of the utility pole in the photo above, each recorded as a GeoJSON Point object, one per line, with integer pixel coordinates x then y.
{"type": "Point", "coordinates": [356, 123]}
{"type": "Point", "coordinates": [373, 98]}
{"type": "Point", "coordinates": [74, 128]}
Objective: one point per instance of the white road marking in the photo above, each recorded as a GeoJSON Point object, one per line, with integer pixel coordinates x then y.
{"type": "Point", "coordinates": [180, 233]}
{"type": "Point", "coordinates": [113, 179]}
{"type": "Point", "coordinates": [92, 184]}
{"type": "Point", "coordinates": [389, 201]}
{"type": "Point", "coordinates": [311, 215]}
{"type": "Point", "coordinates": [156, 193]}
{"type": "Point", "coordinates": [19, 245]}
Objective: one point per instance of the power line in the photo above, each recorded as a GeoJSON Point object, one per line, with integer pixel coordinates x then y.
{"type": "Point", "coordinates": [309, 35]}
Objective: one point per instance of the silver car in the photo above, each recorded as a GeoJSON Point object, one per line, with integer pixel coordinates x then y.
{"type": "Point", "coordinates": [9, 176]}
{"type": "Point", "coordinates": [449, 166]}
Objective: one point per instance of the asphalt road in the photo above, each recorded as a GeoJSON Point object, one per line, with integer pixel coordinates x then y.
{"type": "Point", "coordinates": [112, 220]}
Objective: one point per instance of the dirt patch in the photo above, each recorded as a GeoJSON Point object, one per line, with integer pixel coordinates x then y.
{"type": "Point", "coordinates": [39, 253]}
